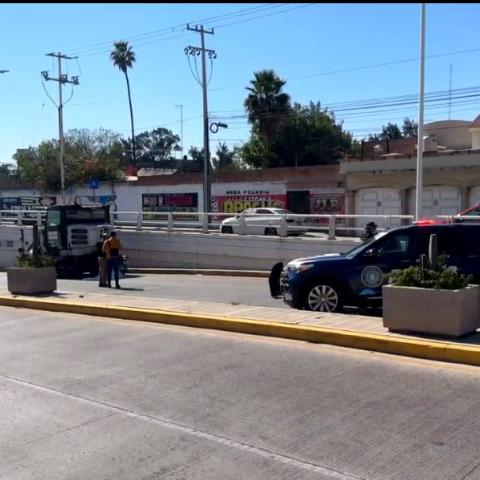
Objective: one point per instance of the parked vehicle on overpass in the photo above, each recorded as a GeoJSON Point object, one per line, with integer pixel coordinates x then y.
{"type": "Point", "coordinates": [329, 282]}
{"type": "Point", "coordinates": [263, 221]}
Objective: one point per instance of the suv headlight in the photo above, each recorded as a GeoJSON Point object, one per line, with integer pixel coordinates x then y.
{"type": "Point", "coordinates": [301, 267]}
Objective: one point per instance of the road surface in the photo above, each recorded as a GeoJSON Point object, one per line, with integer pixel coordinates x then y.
{"type": "Point", "coordinates": [241, 290]}
{"type": "Point", "coordinates": [90, 398]}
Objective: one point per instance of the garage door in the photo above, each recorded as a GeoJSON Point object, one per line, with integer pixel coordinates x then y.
{"type": "Point", "coordinates": [378, 201]}
{"type": "Point", "coordinates": [437, 201]}
{"type": "Point", "coordinates": [474, 198]}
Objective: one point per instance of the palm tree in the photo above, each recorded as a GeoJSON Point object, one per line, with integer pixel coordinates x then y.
{"type": "Point", "coordinates": [123, 57]}
{"type": "Point", "coordinates": [266, 103]}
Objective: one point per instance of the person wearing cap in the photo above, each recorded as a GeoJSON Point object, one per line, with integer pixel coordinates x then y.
{"type": "Point", "coordinates": [102, 261]}
{"type": "Point", "coordinates": [111, 248]}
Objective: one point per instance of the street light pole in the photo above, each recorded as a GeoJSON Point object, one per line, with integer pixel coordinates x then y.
{"type": "Point", "coordinates": [420, 144]}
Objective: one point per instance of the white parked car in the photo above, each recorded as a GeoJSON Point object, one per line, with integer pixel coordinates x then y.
{"type": "Point", "coordinates": [263, 221]}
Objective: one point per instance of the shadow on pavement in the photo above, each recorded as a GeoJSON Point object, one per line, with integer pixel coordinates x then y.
{"type": "Point", "coordinates": [128, 289]}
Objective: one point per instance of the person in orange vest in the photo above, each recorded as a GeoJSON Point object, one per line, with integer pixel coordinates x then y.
{"type": "Point", "coordinates": [112, 248]}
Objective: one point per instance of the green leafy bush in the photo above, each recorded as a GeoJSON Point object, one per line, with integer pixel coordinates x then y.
{"type": "Point", "coordinates": [424, 275]}
{"type": "Point", "coordinates": [34, 261]}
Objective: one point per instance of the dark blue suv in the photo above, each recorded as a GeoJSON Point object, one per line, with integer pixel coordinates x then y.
{"type": "Point", "coordinates": [329, 282]}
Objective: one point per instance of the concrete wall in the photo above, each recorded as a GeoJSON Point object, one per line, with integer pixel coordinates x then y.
{"type": "Point", "coordinates": [197, 250]}
{"type": "Point", "coordinates": [450, 133]}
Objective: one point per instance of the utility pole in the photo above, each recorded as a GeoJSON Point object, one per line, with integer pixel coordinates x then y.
{"type": "Point", "coordinates": [181, 127]}
{"type": "Point", "coordinates": [207, 200]}
{"type": "Point", "coordinates": [419, 192]}
{"type": "Point", "coordinates": [62, 79]}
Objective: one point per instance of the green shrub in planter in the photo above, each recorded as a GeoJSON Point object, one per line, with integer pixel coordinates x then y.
{"type": "Point", "coordinates": [34, 273]}
{"type": "Point", "coordinates": [430, 298]}
{"type": "Point", "coordinates": [25, 260]}
{"type": "Point", "coordinates": [426, 275]}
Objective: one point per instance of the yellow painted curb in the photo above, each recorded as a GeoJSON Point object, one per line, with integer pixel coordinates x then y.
{"type": "Point", "coordinates": [427, 349]}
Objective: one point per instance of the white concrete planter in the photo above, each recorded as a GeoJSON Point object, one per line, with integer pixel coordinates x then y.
{"type": "Point", "coordinates": [452, 313]}
{"type": "Point", "coordinates": [31, 281]}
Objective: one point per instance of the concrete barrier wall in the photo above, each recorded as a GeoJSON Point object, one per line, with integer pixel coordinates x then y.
{"type": "Point", "coordinates": [197, 250]}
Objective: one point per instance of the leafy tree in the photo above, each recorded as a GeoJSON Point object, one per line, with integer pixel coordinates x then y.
{"type": "Point", "coordinates": [123, 57]}
{"type": "Point", "coordinates": [255, 153]}
{"type": "Point", "coordinates": [156, 148]}
{"type": "Point", "coordinates": [392, 131]}
{"type": "Point", "coordinates": [7, 170]}
{"type": "Point", "coordinates": [88, 154]}
{"type": "Point", "coordinates": [96, 153]}
{"type": "Point", "coordinates": [409, 128]}
{"type": "Point", "coordinates": [197, 156]}
{"type": "Point", "coordinates": [226, 159]}
{"type": "Point", "coordinates": [266, 104]}
{"type": "Point", "coordinates": [309, 135]}
{"type": "Point", "coordinates": [40, 166]}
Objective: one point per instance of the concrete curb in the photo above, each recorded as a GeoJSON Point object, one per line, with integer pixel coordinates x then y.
{"type": "Point", "coordinates": [200, 271]}
{"type": "Point", "coordinates": [427, 349]}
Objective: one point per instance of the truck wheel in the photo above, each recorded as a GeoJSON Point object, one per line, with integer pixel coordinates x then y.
{"type": "Point", "coordinates": [323, 297]}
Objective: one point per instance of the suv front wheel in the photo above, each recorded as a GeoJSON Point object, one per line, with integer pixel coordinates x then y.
{"type": "Point", "coordinates": [323, 297]}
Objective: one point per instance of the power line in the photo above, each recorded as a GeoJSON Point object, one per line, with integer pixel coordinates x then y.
{"type": "Point", "coordinates": [363, 107]}
{"type": "Point", "coordinates": [100, 48]}
{"type": "Point", "coordinates": [177, 27]}
{"type": "Point", "coordinates": [264, 16]}
{"type": "Point", "coordinates": [152, 127]}
{"type": "Point", "coordinates": [370, 66]}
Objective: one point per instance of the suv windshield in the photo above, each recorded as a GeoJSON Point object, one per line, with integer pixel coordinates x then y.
{"type": "Point", "coordinates": [364, 245]}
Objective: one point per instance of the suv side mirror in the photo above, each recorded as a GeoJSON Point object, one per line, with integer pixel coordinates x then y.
{"type": "Point", "coordinates": [371, 252]}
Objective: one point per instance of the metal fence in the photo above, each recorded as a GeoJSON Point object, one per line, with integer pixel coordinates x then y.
{"type": "Point", "coordinates": [243, 224]}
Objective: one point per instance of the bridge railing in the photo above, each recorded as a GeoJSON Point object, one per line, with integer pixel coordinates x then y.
{"type": "Point", "coordinates": [241, 223]}
{"type": "Point", "coordinates": [245, 224]}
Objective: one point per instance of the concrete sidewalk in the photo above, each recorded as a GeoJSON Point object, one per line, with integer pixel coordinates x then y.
{"type": "Point", "coordinates": [337, 329]}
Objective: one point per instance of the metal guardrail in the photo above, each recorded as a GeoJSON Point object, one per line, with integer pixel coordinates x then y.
{"type": "Point", "coordinates": [331, 224]}
{"type": "Point", "coordinates": [208, 222]}
{"type": "Point", "coordinates": [22, 217]}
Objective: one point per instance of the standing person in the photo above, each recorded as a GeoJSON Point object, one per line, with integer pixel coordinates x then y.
{"type": "Point", "coordinates": [112, 248]}
{"type": "Point", "coordinates": [102, 261]}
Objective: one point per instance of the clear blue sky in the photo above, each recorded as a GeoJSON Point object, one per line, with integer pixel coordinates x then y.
{"type": "Point", "coordinates": [314, 39]}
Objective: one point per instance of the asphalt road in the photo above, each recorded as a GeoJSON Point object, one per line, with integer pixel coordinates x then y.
{"type": "Point", "coordinates": [89, 398]}
{"type": "Point", "coordinates": [208, 288]}
{"type": "Point", "coordinates": [237, 290]}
